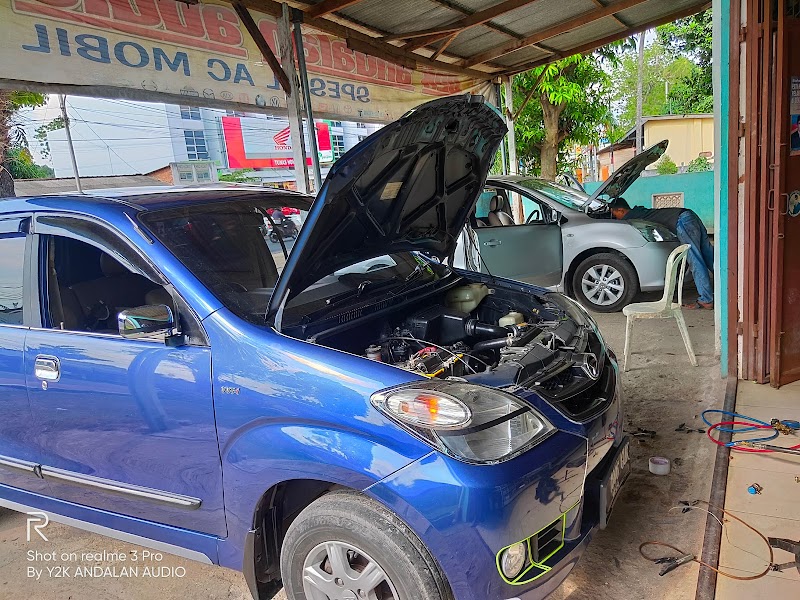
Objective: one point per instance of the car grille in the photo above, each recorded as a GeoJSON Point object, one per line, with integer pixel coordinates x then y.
{"type": "Point", "coordinates": [547, 542]}
{"type": "Point", "coordinates": [577, 395]}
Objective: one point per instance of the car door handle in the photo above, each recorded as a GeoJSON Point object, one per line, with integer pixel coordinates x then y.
{"type": "Point", "coordinates": [47, 368]}
{"type": "Point", "coordinates": [492, 243]}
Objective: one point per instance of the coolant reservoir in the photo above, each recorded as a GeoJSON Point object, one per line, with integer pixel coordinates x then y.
{"type": "Point", "coordinates": [466, 297]}
{"type": "Point", "coordinates": [512, 318]}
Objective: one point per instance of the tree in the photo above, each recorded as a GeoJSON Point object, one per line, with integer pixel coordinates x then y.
{"type": "Point", "coordinates": [562, 104]}
{"type": "Point", "coordinates": [661, 71]}
{"type": "Point", "coordinates": [699, 165]}
{"type": "Point", "coordinates": [238, 176]}
{"type": "Point", "coordinates": [666, 166]}
{"type": "Point", "coordinates": [12, 134]}
{"type": "Point", "coordinates": [21, 165]}
{"type": "Point", "coordinates": [692, 38]}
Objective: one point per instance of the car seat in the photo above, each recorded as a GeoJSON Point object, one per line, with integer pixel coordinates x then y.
{"type": "Point", "coordinates": [497, 217]}
{"type": "Point", "coordinates": [94, 304]}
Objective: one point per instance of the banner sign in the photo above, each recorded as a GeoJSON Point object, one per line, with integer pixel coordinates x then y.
{"type": "Point", "coordinates": [168, 51]}
{"type": "Point", "coordinates": [252, 143]}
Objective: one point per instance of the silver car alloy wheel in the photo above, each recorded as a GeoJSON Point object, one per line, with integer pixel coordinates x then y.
{"type": "Point", "coordinates": [602, 285]}
{"type": "Point", "coordinates": [340, 571]}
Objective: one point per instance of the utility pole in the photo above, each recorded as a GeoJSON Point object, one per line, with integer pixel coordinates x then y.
{"type": "Point", "coordinates": [62, 99]}
{"type": "Point", "coordinates": [639, 96]}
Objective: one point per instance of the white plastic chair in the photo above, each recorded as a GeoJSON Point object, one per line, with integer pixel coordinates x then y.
{"type": "Point", "coordinates": [664, 308]}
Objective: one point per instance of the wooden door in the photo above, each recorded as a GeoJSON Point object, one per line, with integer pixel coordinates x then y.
{"type": "Point", "coordinates": [785, 315]}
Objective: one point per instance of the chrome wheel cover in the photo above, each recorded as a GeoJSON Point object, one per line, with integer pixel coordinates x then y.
{"type": "Point", "coordinates": [340, 571]}
{"type": "Point", "coordinates": [602, 285]}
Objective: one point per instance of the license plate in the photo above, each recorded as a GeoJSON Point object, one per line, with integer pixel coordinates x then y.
{"type": "Point", "coordinates": [613, 480]}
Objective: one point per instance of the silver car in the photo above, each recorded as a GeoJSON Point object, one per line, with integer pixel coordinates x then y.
{"type": "Point", "coordinates": [567, 240]}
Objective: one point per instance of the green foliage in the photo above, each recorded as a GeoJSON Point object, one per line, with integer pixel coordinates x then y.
{"type": "Point", "coordinates": [11, 103]}
{"type": "Point", "coordinates": [666, 166]}
{"type": "Point", "coordinates": [692, 38]}
{"type": "Point", "coordinates": [42, 131]}
{"type": "Point", "coordinates": [238, 176]}
{"type": "Point", "coordinates": [699, 165]}
{"type": "Point", "coordinates": [20, 164]}
{"type": "Point", "coordinates": [26, 100]}
{"type": "Point", "coordinates": [661, 70]}
{"type": "Point", "coordinates": [569, 106]}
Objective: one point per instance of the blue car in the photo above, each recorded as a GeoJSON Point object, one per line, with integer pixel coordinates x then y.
{"type": "Point", "coordinates": [366, 423]}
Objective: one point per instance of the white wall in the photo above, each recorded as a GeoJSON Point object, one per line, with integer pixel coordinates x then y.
{"type": "Point", "coordinates": [112, 137]}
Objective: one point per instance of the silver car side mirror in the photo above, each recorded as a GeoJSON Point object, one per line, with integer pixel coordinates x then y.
{"type": "Point", "coordinates": [154, 321]}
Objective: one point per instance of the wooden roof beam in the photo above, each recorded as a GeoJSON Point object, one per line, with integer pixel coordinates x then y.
{"type": "Point", "coordinates": [557, 29]}
{"type": "Point", "coordinates": [247, 20]}
{"type": "Point", "coordinates": [591, 46]}
{"type": "Point", "coordinates": [328, 6]}
{"type": "Point", "coordinates": [599, 4]}
{"type": "Point", "coordinates": [477, 18]}
{"type": "Point", "coordinates": [498, 28]}
{"type": "Point", "coordinates": [363, 42]}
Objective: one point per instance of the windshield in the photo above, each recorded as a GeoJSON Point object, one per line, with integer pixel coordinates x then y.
{"type": "Point", "coordinates": [565, 196]}
{"type": "Point", "coordinates": [226, 246]}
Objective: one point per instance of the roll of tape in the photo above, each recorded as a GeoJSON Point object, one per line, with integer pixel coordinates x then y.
{"type": "Point", "coordinates": [659, 465]}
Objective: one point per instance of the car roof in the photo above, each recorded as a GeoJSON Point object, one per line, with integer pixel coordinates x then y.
{"type": "Point", "coordinates": [155, 197]}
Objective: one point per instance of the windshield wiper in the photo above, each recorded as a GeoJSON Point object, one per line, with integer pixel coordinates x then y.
{"type": "Point", "coordinates": [415, 273]}
{"type": "Point", "coordinates": [360, 289]}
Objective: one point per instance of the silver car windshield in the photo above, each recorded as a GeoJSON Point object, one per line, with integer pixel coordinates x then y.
{"type": "Point", "coordinates": [565, 196]}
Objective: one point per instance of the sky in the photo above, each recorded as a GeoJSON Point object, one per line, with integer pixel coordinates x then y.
{"type": "Point", "coordinates": [111, 137]}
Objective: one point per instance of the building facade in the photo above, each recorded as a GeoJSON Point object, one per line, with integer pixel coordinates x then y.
{"type": "Point", "coordinates": [116, 137]}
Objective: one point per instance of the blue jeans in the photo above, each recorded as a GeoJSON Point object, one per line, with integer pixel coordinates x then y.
{"type": "Point", "coordinates": [701, 253]}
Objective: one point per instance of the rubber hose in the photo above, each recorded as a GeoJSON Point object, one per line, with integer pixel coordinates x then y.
{"type": "Point", "coordinates": [490, 344]}
{"type": "Point", "coordinates": [475, 328]}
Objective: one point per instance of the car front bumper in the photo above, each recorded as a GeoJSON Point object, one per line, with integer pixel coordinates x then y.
{"type": "Point", "coordinates": [650, 261]}
{"type": "Point", "coordinates": [466, 514]}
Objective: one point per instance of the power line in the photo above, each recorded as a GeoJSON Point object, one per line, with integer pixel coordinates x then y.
{"type": "Point", "coordinates": [107, 146]}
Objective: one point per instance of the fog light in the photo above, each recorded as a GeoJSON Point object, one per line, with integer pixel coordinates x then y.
{"type": "Point", "coordinates": [513, 560]}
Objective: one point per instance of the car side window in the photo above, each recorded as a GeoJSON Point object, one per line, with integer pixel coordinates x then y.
{"type": "Point", "coordinates": [86, 288]}
{"type": "Point", "coordinates": [494, 208]}
{"type": "Point", "coordinates": [533, 210]}
{"type": "Point", "coordinates": [12, 265]}
{"type": "Point", "coordinates": [86, 285]}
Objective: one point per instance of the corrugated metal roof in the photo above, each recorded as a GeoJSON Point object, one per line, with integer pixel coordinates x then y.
{"type": "Point", "coordinates": [492, 37]}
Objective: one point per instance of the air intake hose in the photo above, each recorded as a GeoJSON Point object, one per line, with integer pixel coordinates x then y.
{"type": "Point", "coordinates": [474, 328]}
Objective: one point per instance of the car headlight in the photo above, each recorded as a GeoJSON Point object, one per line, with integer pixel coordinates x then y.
{"type": "Point", "coordinates": [473, 423]}
{"type": "Point", "coordinates": [653, 233]}
{"type": "Point", "coordinates": [513, 560]}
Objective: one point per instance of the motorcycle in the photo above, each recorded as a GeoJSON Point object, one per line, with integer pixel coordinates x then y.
{"type": "Point", "coordinates": [284, 225]}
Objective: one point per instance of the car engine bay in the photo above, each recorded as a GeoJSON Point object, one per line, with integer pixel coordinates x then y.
{"type": "Point", "coordinates": [497, 337]}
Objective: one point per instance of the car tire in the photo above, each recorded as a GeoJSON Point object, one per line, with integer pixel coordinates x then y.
{"type": "Point", "coordinates": [605, 283]}
{"type": "Point", "coordinates": [363, 534]}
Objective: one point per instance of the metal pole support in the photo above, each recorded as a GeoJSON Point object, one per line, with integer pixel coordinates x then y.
{"type": "Point", "coordinates": [293, 100]}
{"type": "Point", "coordinates": [312, 128]}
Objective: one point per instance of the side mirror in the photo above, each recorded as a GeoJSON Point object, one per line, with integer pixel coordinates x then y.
{"type": "Point", "coordinates": [151, 321]}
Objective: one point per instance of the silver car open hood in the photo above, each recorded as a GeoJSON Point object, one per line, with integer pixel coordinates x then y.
{"type": "Point", "coordinates": [623, 178]}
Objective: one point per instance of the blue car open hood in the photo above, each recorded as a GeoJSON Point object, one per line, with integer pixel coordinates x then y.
{"type": "Point", "coordinates": [409, 186]}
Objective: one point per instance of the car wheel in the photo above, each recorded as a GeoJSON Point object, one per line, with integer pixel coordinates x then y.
{"type": "Point", "coordinates": [345, 545]}
{"type": "Point", "coordinates": [605, 283]}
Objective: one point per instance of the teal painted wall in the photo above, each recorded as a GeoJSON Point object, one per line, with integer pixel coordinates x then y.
{"type": "Point", "coordinates": [722, 106]}
{"type": "Point", "coordinates": [697, 188]}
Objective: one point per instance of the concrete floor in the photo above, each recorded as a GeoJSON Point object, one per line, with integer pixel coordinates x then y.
{"type": "Point", "coordinates": [661, 391]}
